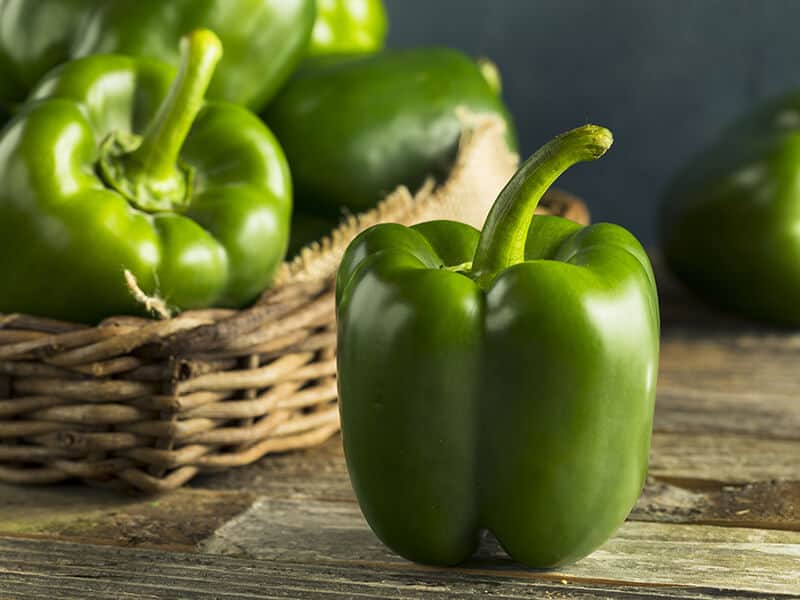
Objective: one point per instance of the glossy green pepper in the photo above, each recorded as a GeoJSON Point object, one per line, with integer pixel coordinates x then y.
{"type": "Point", "coordinates": [356, 128]}
{"type": "Point", "coordinates": [730, 225]}
{"type": "Point", "coordinates": [264, 39]}
{"type": "Point", "coordinates": [489, 382]}
{"type": "Point", "coordinates": [116, 164]}
{"type": "Point", "coordinates": [348, 27]}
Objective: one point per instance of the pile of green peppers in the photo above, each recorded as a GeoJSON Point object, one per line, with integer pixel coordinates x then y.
{"type": "Point", "coordinates": [177, 148]}
{"type": "Point", "coordinates": [195, 163]}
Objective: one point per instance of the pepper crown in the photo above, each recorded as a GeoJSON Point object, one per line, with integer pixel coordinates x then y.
{"type": "Point", "coordinates": [502, 240]}
{"type": "Point", "coordinates": [147, 170]}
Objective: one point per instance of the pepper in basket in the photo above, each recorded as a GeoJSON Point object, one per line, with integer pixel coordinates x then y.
{"type": "Point", "coordinates": [118, 164]}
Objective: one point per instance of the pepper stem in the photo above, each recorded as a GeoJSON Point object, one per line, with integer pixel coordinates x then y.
{"type": "Point", "coordinates": [502, 240]}
{"type": "Point", "coordinates": [150, 174]}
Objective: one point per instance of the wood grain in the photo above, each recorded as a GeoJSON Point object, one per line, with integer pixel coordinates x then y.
{"type": "Point", "coordinates": [640, 553]}
{"type": "Point", "coordinates": [178, 520]}
{"type": "Point", "coordinates": [729, 386]}
{"type": "Point", "coordinates": [58, 570]}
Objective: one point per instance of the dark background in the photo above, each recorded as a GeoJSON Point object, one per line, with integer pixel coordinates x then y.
{"type": "Point", "coordinates": [664, 76]}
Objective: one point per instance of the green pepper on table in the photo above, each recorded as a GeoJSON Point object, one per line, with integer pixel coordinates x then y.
{"type": "Point", "coordinates": [348, 27]}
{"type": "Point", "coordinates": [117, 164]}
{"type": "Point", "coordinates": [354, 128]}
{"type": "Point", "coordinates": [502, 379]}
{"type": "Point", "coordinates": [730, 225]}
{"type": "Point", "coordinates": [264, 39]}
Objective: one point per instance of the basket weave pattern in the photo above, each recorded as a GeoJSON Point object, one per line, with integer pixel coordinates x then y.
{"type": "Point", "coordinates": [148, 404]}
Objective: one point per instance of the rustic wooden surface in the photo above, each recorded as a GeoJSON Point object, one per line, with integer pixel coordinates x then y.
{"type": "Point", "coordinates": [719, 517]}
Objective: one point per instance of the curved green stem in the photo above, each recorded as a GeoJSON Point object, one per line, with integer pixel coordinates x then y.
{"type": "Point", "coordinates": [502, 241]}
{"type": "Point", "coordinates": [150, 175]}
{"type": "Point", "coordinates": [162, 142]}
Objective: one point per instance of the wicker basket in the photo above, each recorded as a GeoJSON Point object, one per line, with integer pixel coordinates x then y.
{"type": "Point", "coordinates": [149, 404]}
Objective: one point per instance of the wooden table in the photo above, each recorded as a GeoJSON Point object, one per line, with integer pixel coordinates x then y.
{"type": "Point", "coordinates": [719, 517]}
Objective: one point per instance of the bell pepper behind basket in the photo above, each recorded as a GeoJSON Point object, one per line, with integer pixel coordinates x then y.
{"type": "Point", "coordinates": [115, 164]}
{"type": "Point", "coordinates": [354, 128]}
{"type": "Point", "coordinates": [264, 39]}
{"type": "Point", "coordinates": [502, 379]}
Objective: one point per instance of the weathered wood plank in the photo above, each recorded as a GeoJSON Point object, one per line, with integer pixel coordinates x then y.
{"type": "Point", "coordinates": [765, 504]}
{"type": "Point", "coordinates": [729, 386]}
{"type": "Point", "coordinates": [36, 569]}
{"type": "Point", "coordinates": [723, 458]}
{"type": "Point", "coordinates": [698, 410]}
{"type": "Point", "coordinates": [177, 520]}
{"type": "Point", "coordinates": [640, 553]}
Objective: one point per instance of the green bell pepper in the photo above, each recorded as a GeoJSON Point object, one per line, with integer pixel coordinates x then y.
{"type": "Point", "coordinates": [486, 381]}
{"type": "Point", "coordinates": [356, 128]}
{"type": "Point", "coordinates": [116, 164]}
{"type": "Point", "coordinates": [730, 225]}
{"type": "Point", "coordinates": [348, 27]}
{"type": "Point", "coordinates": [264, 39]}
